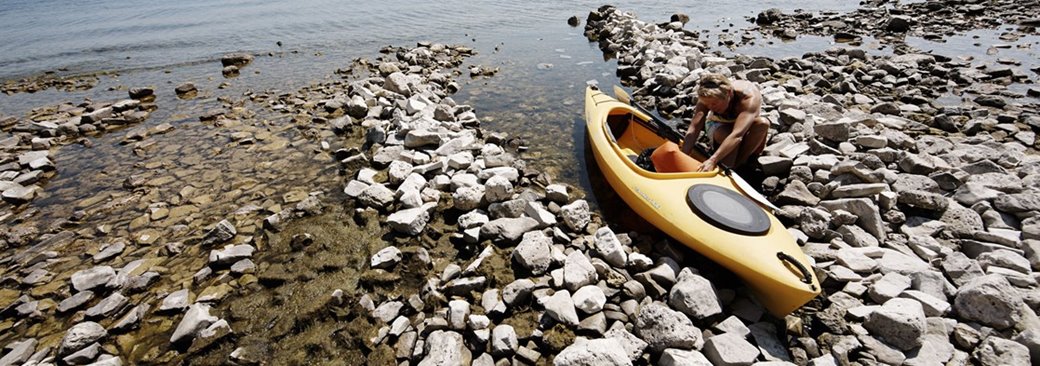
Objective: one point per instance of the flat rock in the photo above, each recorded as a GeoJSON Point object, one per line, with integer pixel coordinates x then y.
{"type": "Point", "coordinates": [596, 352]}
{"type": "Point", "coordinates": [80, 336]}
{"type": "Point", "coordinates": [89, 279]}
{"type": "Point", "coordinates": [507, 230]}
{"type": "Point", "coordinates": [730, 349]}
{"type": "Point", "coordinates": [899, 322]}
{"type": "Point", "coordinates": [410, 221]}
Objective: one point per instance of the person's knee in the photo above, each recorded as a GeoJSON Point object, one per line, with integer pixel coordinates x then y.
{"type": "Point", "coordinates": [761, 122]}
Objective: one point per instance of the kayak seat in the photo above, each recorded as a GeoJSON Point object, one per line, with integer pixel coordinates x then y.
{"type": "Point", "coordinates": [727, 209]}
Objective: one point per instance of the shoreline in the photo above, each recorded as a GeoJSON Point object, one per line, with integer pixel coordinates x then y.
{"type": "Point", "coordinates": [460, 252]}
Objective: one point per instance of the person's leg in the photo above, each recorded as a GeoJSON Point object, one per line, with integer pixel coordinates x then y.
{"type": "Point", "coordinates": [721, 133]}
{"type": "Point", "coordinates": [754, 141]}
{"type": "Point", "coordinates": [669, 158]}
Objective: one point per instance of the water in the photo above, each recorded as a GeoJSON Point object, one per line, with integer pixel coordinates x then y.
{"type": "Point", "coordinates": [112, 34]}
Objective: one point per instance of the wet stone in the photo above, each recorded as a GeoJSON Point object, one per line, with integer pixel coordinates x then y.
{"type": "Point", "coordinates": [92, 278]}
{"type": "Point", "coordinates": [175, 301]}
{"type": "Point", "coordinates": [75, 301]}
{"type": "Point", "coordinates": [81, 335]}
{"type": "Point", "coordinates": [108, 307]}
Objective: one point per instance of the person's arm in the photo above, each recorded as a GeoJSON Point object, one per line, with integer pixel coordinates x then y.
{"type": "Point", "coordinates": [700, 113]}
{"type": "Point", "coordinates": [732, 142]}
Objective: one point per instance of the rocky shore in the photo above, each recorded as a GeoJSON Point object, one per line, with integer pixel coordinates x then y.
{"type": "Point", "coordinates": [442, 246]}
{"type": "Point", "coordinates": [921, 217]}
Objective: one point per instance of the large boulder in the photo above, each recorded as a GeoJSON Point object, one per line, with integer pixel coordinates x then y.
{"type": "Point", "coordinates": [989, 300]}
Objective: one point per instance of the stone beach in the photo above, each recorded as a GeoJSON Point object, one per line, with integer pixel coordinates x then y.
{"type": "Point", "coordinates": [438, 244]}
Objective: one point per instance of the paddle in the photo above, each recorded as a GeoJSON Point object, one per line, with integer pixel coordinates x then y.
{"type": "Point", "coordinates": [672, 135]}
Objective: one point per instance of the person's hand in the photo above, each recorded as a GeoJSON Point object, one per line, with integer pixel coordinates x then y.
{"type": "Point", "coordinates": [708, 165]}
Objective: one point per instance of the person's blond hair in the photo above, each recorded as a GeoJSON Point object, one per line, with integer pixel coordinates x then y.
{"type": "Point", "coordinates": [715, 86]}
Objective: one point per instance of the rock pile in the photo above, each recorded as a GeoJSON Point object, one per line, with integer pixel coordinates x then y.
{"type": "Point", "coordinates": [920, 217]}
{"type": "Point", "coordinates": [932, 19]}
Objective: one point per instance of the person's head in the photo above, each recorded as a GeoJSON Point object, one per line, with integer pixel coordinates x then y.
{"type": "Point", "coordinates": [715, 91]}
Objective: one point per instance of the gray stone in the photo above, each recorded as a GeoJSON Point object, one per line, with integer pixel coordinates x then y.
{"type": "Point", "coordinates": [867, 213]}
{"type": "Point", "coordinates": [507, 230]}
{"type": "Point", "coordinates": [84, 355]}
{"type": "Point", "coordinates": [468, 198]}
{"type": "Point", "coordinates": [458, 311]}
{"type": "Point", "coordinates": [534, 252]}
{"type": "Point", "coordinates": [663, 328]}
{"type": "Point", "coordinates": [694, 296]}
{"type": "Point", "coordinates": [517, 291]}
{"type": "Point", "coordinates": [498, 189]}
{"type": "Point", "coordinates": [20, 352]}
{"type": "Point", "coordinates": [858, 190]}
{"type": "Point", "coordinates": [888, 287]}
{"type": "Point", "coordinates": [730, 349]}
{"type": "Point", "coordinates": [971, 193]}
{"type": "Point", "coordinates": [1005, 259]}
{"type": "Point", "coordinates": [220, 233]}
{"type": "Point", "coordinates": [931, 305]}
{"type": "Point", "coordinates": [961, 269]}
{"type": "Point", "coordinates": [596, 352]}
{"type": "Point", "coordinates": [998, 351]}
{"type": "Point", "coordinates": [1018, 202]}
{"type": "Point", "coordinates": [857, 236]}
{"type": "Point", "coordinates": [107, 307]}
{"type": "Point", "coordinates": [633, 346]}
{"type": "Point", "coordinates": [89, 279]}
{"type": "Point", "coordinates": [75, 301]}
{"type": "Point", "coordinates": [923, 200]}
{"type": "Point", "coordinates": [899, 322]}
{"type": "Point", "coordinates": [989, 300]}
{"type": "Point", "coordinates": [81, 335]}
{"type": "Point", "coordinates": [796, 193]}
{"type": "Point", "coordinates": [769, 344]}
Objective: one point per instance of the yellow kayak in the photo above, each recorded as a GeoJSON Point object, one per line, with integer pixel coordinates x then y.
{"type": "Point", "coordinates": [706, 211]}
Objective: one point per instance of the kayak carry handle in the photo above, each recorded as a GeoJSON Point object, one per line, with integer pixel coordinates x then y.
{"type": "Point", "coordinates": [806, 275]}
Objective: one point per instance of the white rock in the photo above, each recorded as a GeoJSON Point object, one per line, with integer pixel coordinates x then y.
{"type": "Point", "coordinates": [989, 300]}
{"type": "Point", "coordinates": [503, 340]}
{"type": "Point", "coordinates": [458, 311]}
{"type": "Point", "coordinates": [678, 357]}
{"type": "Point", "coordinates": [534, 252]}
{"type": "Point", "coordinates": [576, 215]}
{"type": "Point", "coordinates": [578, 271]}
{"type": "Point", "coordinates": [195, 320]}
{"type": "Point", "coordinates": [609, 247]}
{"type": "Point", "coordinates": [662, 327]}
{"type": "Point", "coordinates": [498, 189]}
{"type": "Point", "coordinates": [694, 296]}
{"type": "Point", "coordinates": [560, 307]}
{"type": "Point", "coordinates": [589, 299]}
{"type": "Point", "coordinates": [92, 278]}
{"type": "Point", "coordinates": [468, 198]}
{"type": "Point", "coordinates": [597, 352]}
{"type": "Point", "coordinates": [446, 348]}
{"type": "Point", "coordinates": [410, 221]}
{"type": "Point", "coordinates": [386, 257]}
